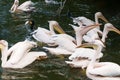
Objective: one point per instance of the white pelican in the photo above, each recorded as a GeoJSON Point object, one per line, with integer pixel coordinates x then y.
{"type": "Point", "coordinates": [81, 31]}
{"type": "Point", "coordinates": [93, 33]}
{"type": "Point", "coordinates": [27, 6]}
{"type": "Point", "coordinates": [108, 27]}
{"type": "Point", "coordinates": [82, 56]}
{"type": "Point", "coordinates": [87, 21]}
{"type": "Point", "coordinates": [101, 70]}
{"type": "Point", "coordinates": [18, 56]}
{"type": "Point", "coordinates": [43, 35]}
{"type": "Point", "coordinates": [67, 43]}
{"type": "Point", "coordinates": [79, 52]}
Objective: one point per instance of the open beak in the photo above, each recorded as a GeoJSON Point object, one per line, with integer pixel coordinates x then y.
{"type": "Point", "coordinates": [58, 28]}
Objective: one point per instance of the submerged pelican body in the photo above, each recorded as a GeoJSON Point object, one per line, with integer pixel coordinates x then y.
{"type": "Point", "coordinates": [66, 43]}
{"type": "Point", "coordinates": [101, 70]}
{"type": "Point", "coordinates": [27, 6]}
{"type": "Point", "coordinates": [80, 53]}
{"type": "Point", "coordinates": [93, 33]}
{"type": "Point", "coordinates": [44, 35]}
{"type": "Point", "coordinates": [87, 22]}
{"type": "Point", "coordinates": [18, 56]}
{"type": "Point", "coordinates": [82, 56]}
{"type": "Point", "coordinates": [62, 40]}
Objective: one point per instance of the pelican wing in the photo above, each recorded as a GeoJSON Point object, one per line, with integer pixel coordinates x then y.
{"type": "Point", "coordinates": [28, 59]}
{"type": "Point", "coordinates": [107, 69]}
{"type": "Point", "coordinates": [19, 50]}
{"type": "Point", "coordinates": [78, 63]}
{"type": "Point", "coordinates": [63, 42]}
{"type": "Point", "coordinates": [42, 35]}
{"type": "Point", "coordinates": [84, 53]}
{"type": "Point", "coordinates": [11, 49]}
{"type": "Point", "coordinates": [26, 4]}
{"type": "Point", "coordinates": [58, 51]}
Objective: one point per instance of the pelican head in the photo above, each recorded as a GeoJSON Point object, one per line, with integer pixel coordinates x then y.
{"type": "Point", "coordinates": [109, 27]}
{"type": "Point", "coordinates": [3, 43]}
{"type": "Point", "coordinates": [77, 21]}
{"type": "Point", "coordinates": [56, 26]}
{"type": "Point", "coordinates": [100, 15]}
{"type": "Point", "coordinates": [30, 25]}
{"type": "Point", "coordinates": [30, 22]}
{"type": "Point", "coordinates": [34, 44]}
{"type": "Point", "coordinates": [14, 6]}
{"type": "Point", "coordinates": [27, 6]}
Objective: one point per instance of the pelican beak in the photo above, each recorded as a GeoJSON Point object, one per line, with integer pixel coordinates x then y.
{"type": "Point", "coordinates": [94, 25]}
{"type": "Point", "coordinates": [100, 15]}
{"type": "Point", "coordinates": [73, 26]}
{"type": "Point", "coordinates": [59, 29]}
{"type": "Point", "coordinates": [1, 45]}
{"type": "Point", "coordinates": [112, 28]}
{"type": "Point", "coordinates": [88, 45]}
{"type": "Point", "coordinates": [86, 29]}
{"type": "Point", "coordinates": [103, 18]}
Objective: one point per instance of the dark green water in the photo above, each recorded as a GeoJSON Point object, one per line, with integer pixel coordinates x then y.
{"type": "Point", "coordinates": [13, 30]}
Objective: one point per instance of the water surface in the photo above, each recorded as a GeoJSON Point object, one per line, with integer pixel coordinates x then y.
{"type": "Point", "coordinates": [13, 30]}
